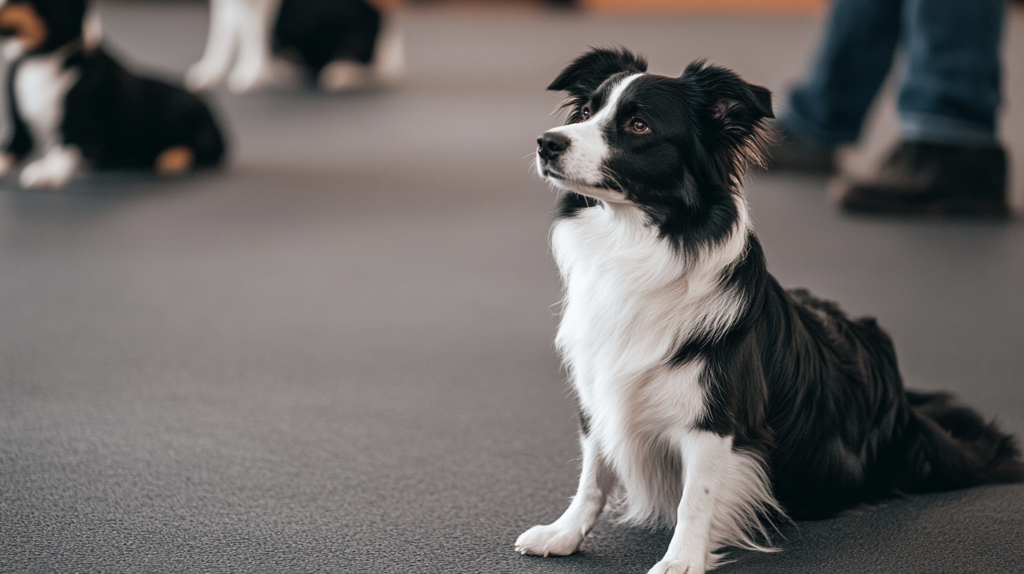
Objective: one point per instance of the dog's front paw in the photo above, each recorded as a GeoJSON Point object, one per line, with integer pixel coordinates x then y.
{"type": "Point", "coordinates": [202, 77]}
{"type": "Point", "coordinates": [676, 567]}
{"type": "Point", "coordinates": [549, 540]}
{"type": "Point", "coordinates": [52, 170]}
{"type": "Point", "coordinates": [343, 75]}
{"type": "Point", "coordinates": [7, 163]}
{"type": "Point", "coordinates": [248, 79]}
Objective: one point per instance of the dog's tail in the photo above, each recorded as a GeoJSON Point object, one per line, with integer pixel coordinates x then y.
{"type": "Point", "coordinates": [956, 448]}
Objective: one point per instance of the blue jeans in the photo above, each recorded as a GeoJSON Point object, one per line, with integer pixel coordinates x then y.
{"type": "Point", "coordinates": [949, 92]}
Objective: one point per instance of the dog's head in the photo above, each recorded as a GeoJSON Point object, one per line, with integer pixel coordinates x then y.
{"type": "Point", "coordinates": [28, 26]}
{"type": "Point", "coordinates": [676, 147]}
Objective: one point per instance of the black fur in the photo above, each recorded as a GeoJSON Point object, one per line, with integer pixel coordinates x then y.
{"type": "Point", "coordinates": [120, 120]}
{"type": "Point", "coordinates": [814, 393]}
{"type": "Point", "coordinates": [316, 32]}
{"type": "Point", "coordinates": [116, 118]}
{"type": "Point", "coordinates": [21, 141]}
{"type": "Point", "coordinates": [584, 423]}
{"type": "Point", "coordinates": [571, 203]}
{"type": "Point", "coordinates": [63, 21]}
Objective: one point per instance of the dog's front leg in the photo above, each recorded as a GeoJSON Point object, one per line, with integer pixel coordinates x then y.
{"type": "Point", "coordinates": [253, 70]}
{"type": "Point", "coordinates": [564, 536]}
{"type": "Point", "coordinates": [221, 43]}
{"type": "Point", "coordinates": [707, 462]}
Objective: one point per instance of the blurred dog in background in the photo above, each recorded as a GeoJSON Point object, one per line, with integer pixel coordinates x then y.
{"type": "Point", "coordinates": [339, 44]}
{"type": "Point", "coordinates": [73, 104]}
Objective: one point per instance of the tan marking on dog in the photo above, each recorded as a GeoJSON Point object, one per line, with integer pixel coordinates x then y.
{"type": "Point", "coordinates": [92, 29]}
{"type": "Point", "coordinates": [174, 160]}
{"type": "Point", "coordinates": [28, 27]}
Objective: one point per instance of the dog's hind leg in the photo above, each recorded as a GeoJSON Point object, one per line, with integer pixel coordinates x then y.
{"type": "Point", "coordinates": [386, 68]}
{"type": "Point", "coordinates": [564, 536]}
{"type": "Point", "coordinates": [222, 41]}
{"type": "Point", "coordinates": [725, 493]}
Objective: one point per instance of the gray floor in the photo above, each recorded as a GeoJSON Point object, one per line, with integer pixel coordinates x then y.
{"type": "Point", "coordinates": [335, 356]}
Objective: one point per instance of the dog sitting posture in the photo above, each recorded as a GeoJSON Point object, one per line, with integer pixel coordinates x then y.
{"type": "Point", "coordinates": [72, 103]}
{"type": "Point", "coordinates": [711, 399]}
{"type": "Point", "coordinates": [342, 44]}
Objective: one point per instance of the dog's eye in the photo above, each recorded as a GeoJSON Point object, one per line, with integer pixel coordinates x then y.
{"type": "Point", "coordinates": [639, 126]}
{"type": "Point", "coordinates": [585, 113]}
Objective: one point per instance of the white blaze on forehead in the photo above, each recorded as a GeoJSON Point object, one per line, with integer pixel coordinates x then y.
{"type": "Point", "coordinates": [584, 159]}
{"type": "Point", "coordinates": [608, 111]}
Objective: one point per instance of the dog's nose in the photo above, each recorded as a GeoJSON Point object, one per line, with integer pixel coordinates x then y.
{"type": "Point", "coordinates": [550, 145]}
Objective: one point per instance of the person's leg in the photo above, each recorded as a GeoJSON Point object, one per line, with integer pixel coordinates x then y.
{"type": "Point", "coordinates": [828, 107]}
{"type": "Point", "coordinates": [948, 161]}
{"type": "Point", "coordinates": [950, 91]}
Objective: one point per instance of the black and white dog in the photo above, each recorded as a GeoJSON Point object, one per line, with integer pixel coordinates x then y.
{"type": "Point", "coordinates": [341, 44]}
{"type": "Point", "coordinates": [73, 104]}
{"type": "Point", "coordinates": [712, 399]}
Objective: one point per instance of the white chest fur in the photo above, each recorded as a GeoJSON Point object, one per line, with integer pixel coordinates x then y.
{"type": "Point", "coordinates": [41, 85]}
{"type": "Point", "coordinates": [630, 300]}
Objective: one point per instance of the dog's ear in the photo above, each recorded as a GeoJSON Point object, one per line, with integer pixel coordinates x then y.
{"type": "Point", "coordinates": [734, 116]}
{"type": "Point", "coordinates": [586, 73]}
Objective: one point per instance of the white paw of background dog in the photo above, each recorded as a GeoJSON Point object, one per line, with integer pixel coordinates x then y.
{"type": "Point", "coordinates": [549, 540]}
{"type": "Point", "coordinates": [340, 75]}
{"type": "Point", "coordinates": [7, 162]}
{"type": "Point", "coordinates": [53, 170]}
{"type": "Point", "coordinates": [244, 80]}
{"type": "Point", "coordinates": [202, 77]}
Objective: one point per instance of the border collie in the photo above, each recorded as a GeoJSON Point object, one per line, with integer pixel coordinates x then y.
{"type": "Point", "coordinates": [711, 399]}
{"type": "Point", "coordinates": [74, 104]}
{"type": "Point", "coordinates": [342, 44]}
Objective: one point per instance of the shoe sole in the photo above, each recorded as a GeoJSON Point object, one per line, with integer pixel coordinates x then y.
{"type": "Point", "coordinates": [882, 204]}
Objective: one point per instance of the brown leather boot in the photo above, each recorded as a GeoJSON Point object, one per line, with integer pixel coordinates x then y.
{"type": "Point", "coordinates": [932, 179]}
